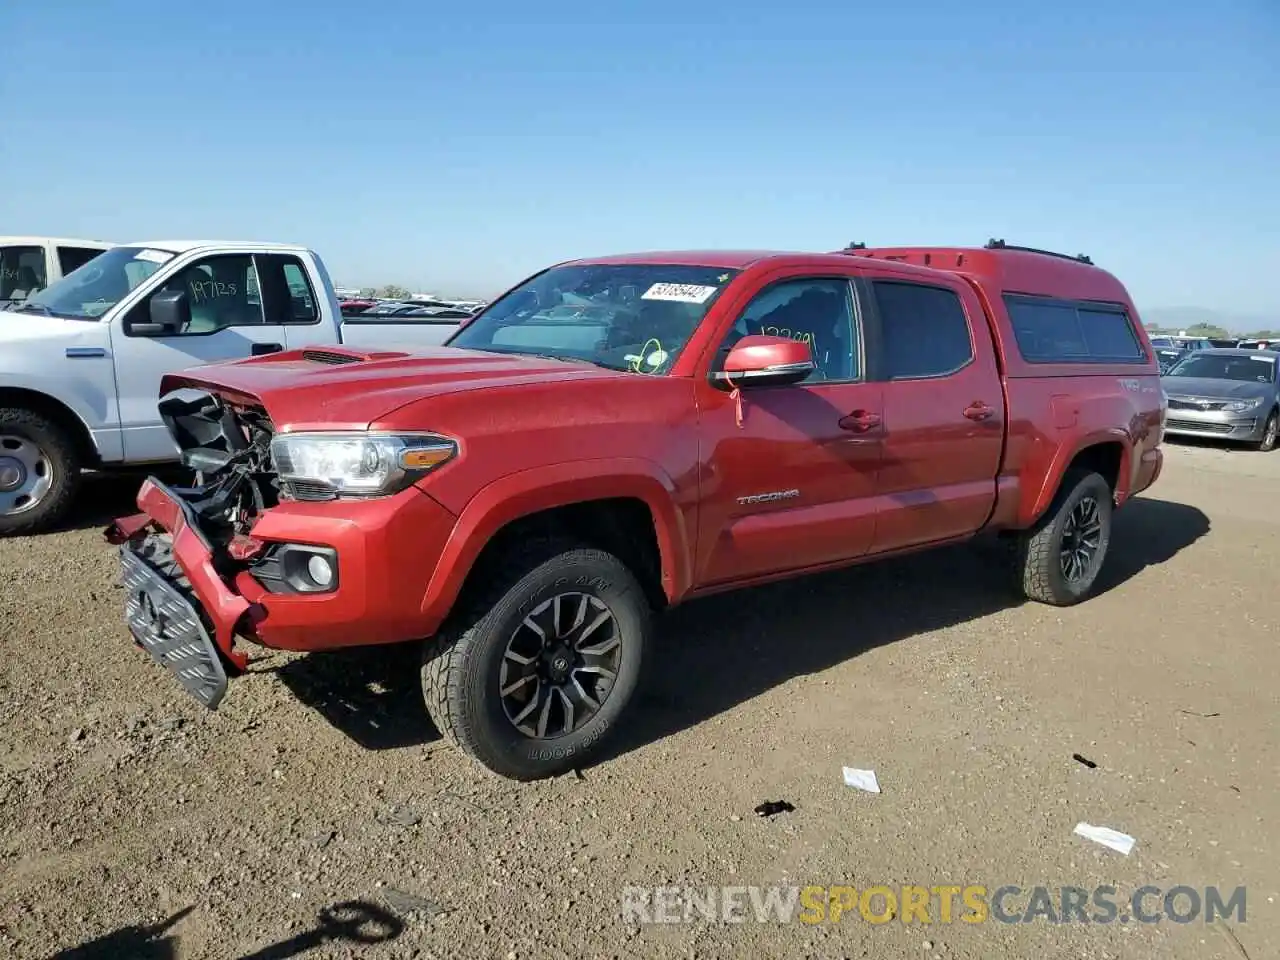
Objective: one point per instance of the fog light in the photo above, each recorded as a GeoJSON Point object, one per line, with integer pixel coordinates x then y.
{"type": "Point", "coordinates": [320, 570]}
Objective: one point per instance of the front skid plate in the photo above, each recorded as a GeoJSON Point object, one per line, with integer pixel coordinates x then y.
{"type": "Point", "coordinates": [167, 626]}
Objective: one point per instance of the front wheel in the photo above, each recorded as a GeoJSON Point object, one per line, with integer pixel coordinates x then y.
{"type": "Point", "coordinates": [1061, 556]}
{"type": "Point", "coordinates": [1270, 433]}
{"type": "Point", "coordinates": [39, 472]}
{"type": "Point", "coordinates": [534, 674]}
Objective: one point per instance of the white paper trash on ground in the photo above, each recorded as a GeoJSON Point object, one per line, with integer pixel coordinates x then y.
{"type": "Point", "coordinates": [862, 779]}
{"type": "Point", "coordinates": [1120, 842]}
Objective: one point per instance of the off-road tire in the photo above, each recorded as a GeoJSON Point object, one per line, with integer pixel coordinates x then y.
{"type": "Point", "coordinates": [1039, 557]}
{"type": "Point", "coordinates": [460, 666]}
{"type": "Point", "coordinates": [1269, 433]}
{"type": "Point", "coordinates": [60, 448]}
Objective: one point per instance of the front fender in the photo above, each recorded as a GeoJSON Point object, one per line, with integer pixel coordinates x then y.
{"type": "Point", "coordinates": [88, 398]}
{"type": "Point", "coordinates": [542, 488]}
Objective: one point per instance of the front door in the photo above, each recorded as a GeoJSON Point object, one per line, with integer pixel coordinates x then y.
{"type": "Point", "coordinates": [227, 323]}
{"type": "Point", "coordinates": [943, 413]}
{"type": "Point", "coordinates": [793, 485]}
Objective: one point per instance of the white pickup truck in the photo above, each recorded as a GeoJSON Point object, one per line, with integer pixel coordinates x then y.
{"type": "Point", "coordinates": [29, 264]}
{"type": "Point", "coordinates": [81, 360]}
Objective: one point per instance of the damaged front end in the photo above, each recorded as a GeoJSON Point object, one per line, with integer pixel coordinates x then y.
{"type": "Point", "coordinates": [179, 555]}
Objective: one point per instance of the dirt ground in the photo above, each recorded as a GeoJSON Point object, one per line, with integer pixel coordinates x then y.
{"type": "Point", "coordinates": [134, 823]}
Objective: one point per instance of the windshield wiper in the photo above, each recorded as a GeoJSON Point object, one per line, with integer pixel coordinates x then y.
{"type": "Point", "coordinates": [28, 305]}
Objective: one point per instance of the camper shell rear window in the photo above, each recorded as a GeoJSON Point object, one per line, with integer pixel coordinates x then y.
{"type": "Point", "coordinates": [1050, 330]}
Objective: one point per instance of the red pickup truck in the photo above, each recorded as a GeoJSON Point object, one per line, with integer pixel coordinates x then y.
{"type": "Point", "coordinates": [617, 435]}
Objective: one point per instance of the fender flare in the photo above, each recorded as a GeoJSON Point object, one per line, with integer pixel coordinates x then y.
{"type": "Point", "coordinates": [1062, 460]}
{"type": "Point", "coordinates": [543, 488]}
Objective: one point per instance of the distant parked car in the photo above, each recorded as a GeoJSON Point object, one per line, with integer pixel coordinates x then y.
{"type": "Point", "coordinates": [1191, 343]}
{"type": "Point", "coordinates": [1168, 357]}
{"type": "Point", "coordinates": [1265, 344]}
{"type": "Point", "coordinates": [1227, 394]}
{"type": "Point", "coordinates": [389, 309]}
{"type": "Point", "coordinates": [1162, 342]}
{"type": "Point", "coordinates": [439, 313]}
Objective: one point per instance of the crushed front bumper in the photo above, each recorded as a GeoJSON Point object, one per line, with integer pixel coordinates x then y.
{"type": "Point", "coordinates": [176, 606]}
{"type": "Point", "coordinates": [188, 601]}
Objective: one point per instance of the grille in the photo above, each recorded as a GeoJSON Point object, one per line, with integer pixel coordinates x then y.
{"type": "Point", "coordinates": [306, 490]}
{"type": "Point", "coordinates": [1201, 426]}
{"type": "Point", "coordinates": [1188, 403]}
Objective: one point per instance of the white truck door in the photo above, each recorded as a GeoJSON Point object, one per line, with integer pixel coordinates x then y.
{"type": "Point", "coordinates": [292, 296]}
{"type": "Point", "coordinates": [228, 322]}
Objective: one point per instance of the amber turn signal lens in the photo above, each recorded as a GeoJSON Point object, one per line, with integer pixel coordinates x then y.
{"type": "Point", "coordinates": [425, 458]}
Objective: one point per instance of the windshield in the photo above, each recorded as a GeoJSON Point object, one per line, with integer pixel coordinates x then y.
{"type": "Point", "coordinates": [1251, 369]}
{"type": "Point", "coordinates": [88, 292]}
{"type": "Point", "coordinates": [624, 316]}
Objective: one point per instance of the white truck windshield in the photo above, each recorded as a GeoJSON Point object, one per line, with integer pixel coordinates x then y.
{"type": "Point", "coordinates": [91, 290]}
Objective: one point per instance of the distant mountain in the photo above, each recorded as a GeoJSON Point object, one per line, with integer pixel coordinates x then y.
{"type": "Point", "coordinates": [1180, 318]}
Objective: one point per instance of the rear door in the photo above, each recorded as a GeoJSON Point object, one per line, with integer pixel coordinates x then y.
{"type": "Point", "coordinates": [943, 410]}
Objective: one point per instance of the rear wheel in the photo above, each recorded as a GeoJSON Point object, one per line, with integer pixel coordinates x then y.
{"type": "Point", "coordinates": [535, 672]}
{"type": "Point", "coordinates": [1270, 433]}
{"type": "Point", "coordinates": [39, 472]}
{"type": "Point", "coordinates": [1060, 558]}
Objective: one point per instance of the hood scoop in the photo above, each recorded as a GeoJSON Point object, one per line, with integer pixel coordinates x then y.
{"type": "Point", "coordinates": [328, 356]}
{"type": "Point", "coordinates": [339, 355]}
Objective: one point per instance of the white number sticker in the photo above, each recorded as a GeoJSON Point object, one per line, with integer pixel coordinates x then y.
{"type": "Point", "coordinates": [679, 292]}
{"type": "Point", "coordinates": [154, 256]}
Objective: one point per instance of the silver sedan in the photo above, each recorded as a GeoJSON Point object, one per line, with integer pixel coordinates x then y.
{"type": "Point", "coordinates": [1225, 394]}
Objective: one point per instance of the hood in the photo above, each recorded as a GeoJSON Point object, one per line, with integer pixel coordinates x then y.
{"type": "Point", "coordinates": [340, 388]}
{"type": "Point", "coordinates": [1212, 389]}
{"type": "Point", "coordinates": [27, 327]}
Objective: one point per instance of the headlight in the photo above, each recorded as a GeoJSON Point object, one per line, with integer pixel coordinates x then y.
{"type": "Point", "coordinates": [1240, 406]}
{"type": "Point", "coordinates": [357, 464]}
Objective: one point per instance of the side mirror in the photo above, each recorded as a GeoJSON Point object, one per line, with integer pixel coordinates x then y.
{"type": "Point", "coordinates": [170, 314]}
{"type": "Point", "coordinates": [760, 361]}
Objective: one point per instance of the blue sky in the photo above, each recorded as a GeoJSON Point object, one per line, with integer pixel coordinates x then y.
{"type": "Point", "coordinates": [460, 146]}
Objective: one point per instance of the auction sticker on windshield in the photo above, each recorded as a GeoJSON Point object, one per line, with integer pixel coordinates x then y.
{"type": "Point", "coordinates": [680, 292]}
{"type": "Point", "coordinates": [154, 256]}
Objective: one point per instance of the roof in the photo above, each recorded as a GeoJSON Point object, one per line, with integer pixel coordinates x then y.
{"type": "Point", "coordinates": [182, 246]}
{"type": "Point", "coordinates": [728, 259]}
{"type": "Point", "coordinates": [57, 241]}
{"type": "Point", "coordinates": [1011, 269]}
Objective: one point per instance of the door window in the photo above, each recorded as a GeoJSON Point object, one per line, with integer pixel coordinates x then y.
{"type": "Point", "coordinates": [21, 272]}
{"type": "Point", "coordinates": [72, 258]}
{"type": "Point", "coordinates": [222, 291]}
{"type": "Point", "coordinates": [817, 311]}
{"type": "Point", "coordinates": [924, 330]}
{"type": "Point", "coordinates": [286, 291]}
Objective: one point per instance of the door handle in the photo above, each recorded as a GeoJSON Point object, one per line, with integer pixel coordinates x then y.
{"type": "Point", "coordinates": [978, 411]}
{"type": "Point", "coordinates": [860, 421]}
{"type": "Point", "coordinates": [262, 348]}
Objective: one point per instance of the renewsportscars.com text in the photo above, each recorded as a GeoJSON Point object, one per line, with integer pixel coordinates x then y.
{"type": "Point", "coordinates": [943, 904]}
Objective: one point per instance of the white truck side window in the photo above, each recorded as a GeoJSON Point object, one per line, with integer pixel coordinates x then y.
{"type": "Point", "coordinates": [222, 291]}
